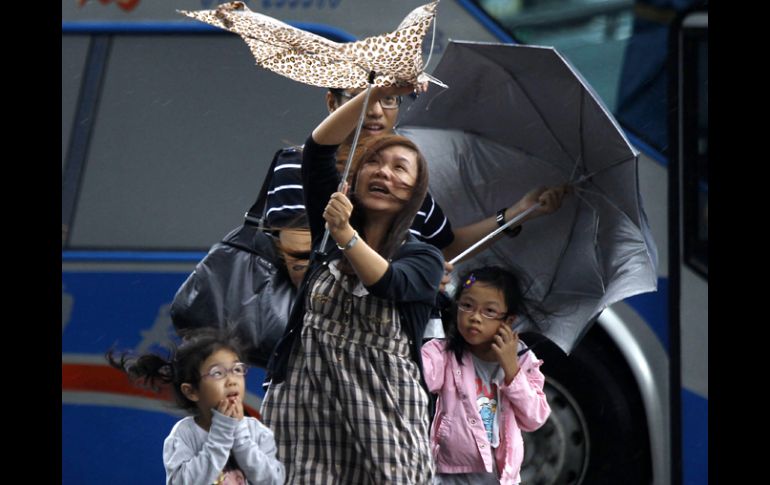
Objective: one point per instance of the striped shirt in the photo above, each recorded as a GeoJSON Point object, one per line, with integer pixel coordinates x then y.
{"type": "Point", "coordinates": [285, 201]}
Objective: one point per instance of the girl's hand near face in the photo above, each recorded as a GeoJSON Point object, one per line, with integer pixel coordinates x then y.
{"type": "Point", "coordinates": [232, 408]}
{"type": "Point", "coordinates": [225, 407]}
{"type": "Point", "coordinates": [237, 405]}
{"type": "Point", "coordinates": [505, 345]}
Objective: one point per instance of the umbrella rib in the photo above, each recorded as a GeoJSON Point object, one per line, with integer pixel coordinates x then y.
{"type": "Point", "coordinates": [432, 40]}
{"type": "Point", "coordinates": [598, 194]}
{"type": "Point", "coordinates": [614, 164]}
{"type": "Point", "coordinates": [580, 140]}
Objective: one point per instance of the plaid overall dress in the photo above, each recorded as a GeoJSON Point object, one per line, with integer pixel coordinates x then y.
{"type": "Point", "coordinates": [351, 409]}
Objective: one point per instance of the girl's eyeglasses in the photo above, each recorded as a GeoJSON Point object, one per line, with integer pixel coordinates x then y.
{"type": "Point", "coordinates": [488, 313]}
{"type": "Point", "coordinates": [219, 372]}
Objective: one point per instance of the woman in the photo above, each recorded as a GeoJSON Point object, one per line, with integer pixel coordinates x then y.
{"type": "Point", "coordinates": [347, 400]}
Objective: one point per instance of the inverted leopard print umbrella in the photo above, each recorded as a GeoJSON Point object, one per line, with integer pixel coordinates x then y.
{"type": "Point", "coordinates": [395, 58]}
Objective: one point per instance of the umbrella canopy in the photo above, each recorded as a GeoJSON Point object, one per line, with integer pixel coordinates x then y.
{"type": "Point", "coordinates": [517, 117]}
{"type": "Point", "coordinates": [395, 58]}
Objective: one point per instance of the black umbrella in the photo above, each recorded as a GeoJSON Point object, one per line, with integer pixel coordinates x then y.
{"type": "Point", "coordinates": [517, 117]}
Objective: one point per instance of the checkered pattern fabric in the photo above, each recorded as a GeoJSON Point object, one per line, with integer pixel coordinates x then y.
{"type": "Point", "coordinates": [351, 409]}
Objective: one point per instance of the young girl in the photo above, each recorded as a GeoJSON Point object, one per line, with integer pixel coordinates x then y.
{"type": "Point", "coordinates": [217, 444]}
{"type": "Point", "coordinates": [486, 393]}
{"type": "Point", "coordinates": [346, 400]}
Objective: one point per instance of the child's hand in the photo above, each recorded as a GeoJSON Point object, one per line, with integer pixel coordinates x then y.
{"type": "Point", "coordinates": [231, 407]}
{"type": "Point", "coordinates": [505, 346]}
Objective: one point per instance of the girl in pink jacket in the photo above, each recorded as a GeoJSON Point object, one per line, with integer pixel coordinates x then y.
{"type": "Point", "coordinates": [487, 393]}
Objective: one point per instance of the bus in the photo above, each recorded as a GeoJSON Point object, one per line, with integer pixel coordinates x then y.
{"type": "Point", "coordinates": [168, 129]}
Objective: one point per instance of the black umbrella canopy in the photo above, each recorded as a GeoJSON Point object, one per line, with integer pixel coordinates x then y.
{"type": "Point", "coordinates": [517, 117]}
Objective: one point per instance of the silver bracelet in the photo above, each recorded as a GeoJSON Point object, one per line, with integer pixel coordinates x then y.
{"type": "Point", "coordinates": [351, 243]}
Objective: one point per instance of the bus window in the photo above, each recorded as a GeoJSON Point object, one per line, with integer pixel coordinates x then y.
{"type": "Point", "coordinates": [180, 131]}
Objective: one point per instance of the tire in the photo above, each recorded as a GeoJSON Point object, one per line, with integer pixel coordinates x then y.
{"type": "Point", "coordinates": [597, 431]}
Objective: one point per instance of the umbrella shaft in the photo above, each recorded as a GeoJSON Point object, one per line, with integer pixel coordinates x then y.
{"type": "Point", "coordinates": [494, 233]}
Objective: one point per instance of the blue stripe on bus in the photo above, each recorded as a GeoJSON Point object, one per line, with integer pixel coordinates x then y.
{"type": "Point", "coordinates": [695, 465]}
{"type": "Point", "coordinates": [653, 308]}
{"type": "Point", "coordinates": [185, 27]}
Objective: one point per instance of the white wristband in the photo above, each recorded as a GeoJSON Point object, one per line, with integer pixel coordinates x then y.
{"type": "Point", "coordinates": [350, 244]}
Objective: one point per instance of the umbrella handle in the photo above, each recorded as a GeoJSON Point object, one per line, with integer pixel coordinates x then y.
{"type": "Point", "coordinates": [494, 233]}
{"type": "Point", "coordinates": [352, 149]}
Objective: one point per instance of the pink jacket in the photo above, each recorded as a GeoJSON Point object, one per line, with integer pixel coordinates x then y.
{"type": "Point", "coordinates": [458, 438]}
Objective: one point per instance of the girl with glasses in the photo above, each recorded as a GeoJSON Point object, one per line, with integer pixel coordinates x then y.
{"type": "Point", "coordinates": [217, 444]}
{"type": "Point", "coordinates": [487, 393]}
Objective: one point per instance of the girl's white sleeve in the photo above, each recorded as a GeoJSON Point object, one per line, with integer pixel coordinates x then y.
{"type": "Point", "coordinates": [254, 450]}
{"type": "Point", "coordinates": [186, 465]}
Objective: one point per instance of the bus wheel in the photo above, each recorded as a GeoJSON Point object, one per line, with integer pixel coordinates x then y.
{"type": "Point", "coordinates": [558, 452]}
{"type": "Point", "coordinates": [597, 431]}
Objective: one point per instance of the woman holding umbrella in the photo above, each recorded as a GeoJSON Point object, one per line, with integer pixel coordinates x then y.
{"type": "Point", "coordinates": [347, 400]}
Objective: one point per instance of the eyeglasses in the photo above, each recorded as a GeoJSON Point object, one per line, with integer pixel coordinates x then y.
{"type": "Point", "coordinates": [488, 313]}
{"type": "Point", "coordinates": [387, 102]}
{"type": "Point", "coordinates": [218, 372]}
